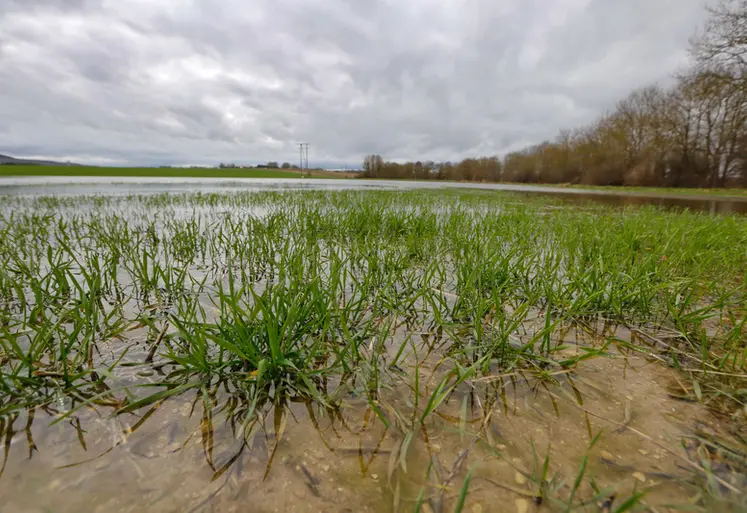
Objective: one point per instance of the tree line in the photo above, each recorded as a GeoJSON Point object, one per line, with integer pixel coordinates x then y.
{"type": "Point", "coordinates": [269, 165]}
{"type": "Point", "coordinates": [692, 134]}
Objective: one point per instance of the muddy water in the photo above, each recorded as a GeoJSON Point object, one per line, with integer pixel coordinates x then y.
{"type": "Point", "coordinates": [191, 453]}
{"type": "Point", "coordinates": [42, 186]}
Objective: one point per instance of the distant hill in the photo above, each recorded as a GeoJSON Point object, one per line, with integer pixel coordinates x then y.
{"type": "Point", "coordinates": [7, 160]}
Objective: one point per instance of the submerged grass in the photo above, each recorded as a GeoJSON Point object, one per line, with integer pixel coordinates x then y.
{"type": "Point", "coordinates": [279, 296]}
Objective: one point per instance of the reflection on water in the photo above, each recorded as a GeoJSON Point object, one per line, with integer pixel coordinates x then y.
{"type": "Point", "coordinates": [197, 452]}
{"type": "Point", "coordinates": [710, 205]}
{"type": "Point", "coordinates": [42, 186]}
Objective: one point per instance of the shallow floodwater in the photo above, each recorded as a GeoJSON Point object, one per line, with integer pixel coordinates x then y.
{"type": "Point", "coordinates": [515, 438]}
{"type": "Point", "coordinates": [189, 454]}
{"type": "Point", "coordinates": [40, 186]}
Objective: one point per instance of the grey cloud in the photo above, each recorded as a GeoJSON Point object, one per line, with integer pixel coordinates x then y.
{"type": "Point", "coordinates": [159, 81]}
{"type": "Point", "coordinates": [60, 5]}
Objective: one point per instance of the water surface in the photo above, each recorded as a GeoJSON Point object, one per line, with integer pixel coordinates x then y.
{"type": "Point", "coordinates": [83, 185]}
{"type": "Point", "coordinates": [203, 451]}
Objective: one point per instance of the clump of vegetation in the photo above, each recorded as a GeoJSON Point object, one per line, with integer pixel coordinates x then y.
{"type": "Point", "coordinates": [299, 284]}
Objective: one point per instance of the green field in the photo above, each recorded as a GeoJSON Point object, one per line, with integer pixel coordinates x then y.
{"type": "Point", "coordinates": [157, 172]}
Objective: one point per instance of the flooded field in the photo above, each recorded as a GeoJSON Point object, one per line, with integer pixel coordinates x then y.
{"type": "Point", "coordinates": [88, 185]}
{"type": "Point", "coordinates": [369, 350]}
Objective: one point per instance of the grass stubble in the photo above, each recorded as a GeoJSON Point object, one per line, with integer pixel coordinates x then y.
{"type": "Point", "coordinates": [264, 299]}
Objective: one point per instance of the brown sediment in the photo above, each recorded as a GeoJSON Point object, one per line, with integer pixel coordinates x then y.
{"type": "Point", "coordinates": [152, 468]}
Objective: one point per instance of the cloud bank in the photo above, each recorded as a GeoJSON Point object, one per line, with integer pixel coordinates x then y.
{"type": "Point", "coordinates": [149, 82]}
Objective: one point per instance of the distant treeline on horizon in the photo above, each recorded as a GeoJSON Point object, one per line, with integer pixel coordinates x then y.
{"type": "Point", "coordinates": [269, 165]}
{"type": "Point", "coordinates": [693, 134]}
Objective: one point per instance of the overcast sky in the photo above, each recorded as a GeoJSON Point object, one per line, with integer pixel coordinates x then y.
{"type": "Point", "coordinates": [203, 81]}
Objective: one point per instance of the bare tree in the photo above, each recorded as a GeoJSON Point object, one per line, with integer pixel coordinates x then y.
{"type": "Point", "coordinates": [694, 134]}
{"type": "Point", "coordinates": [372, 166]}
{"type": "Point", "coordinates": [723, 45]}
